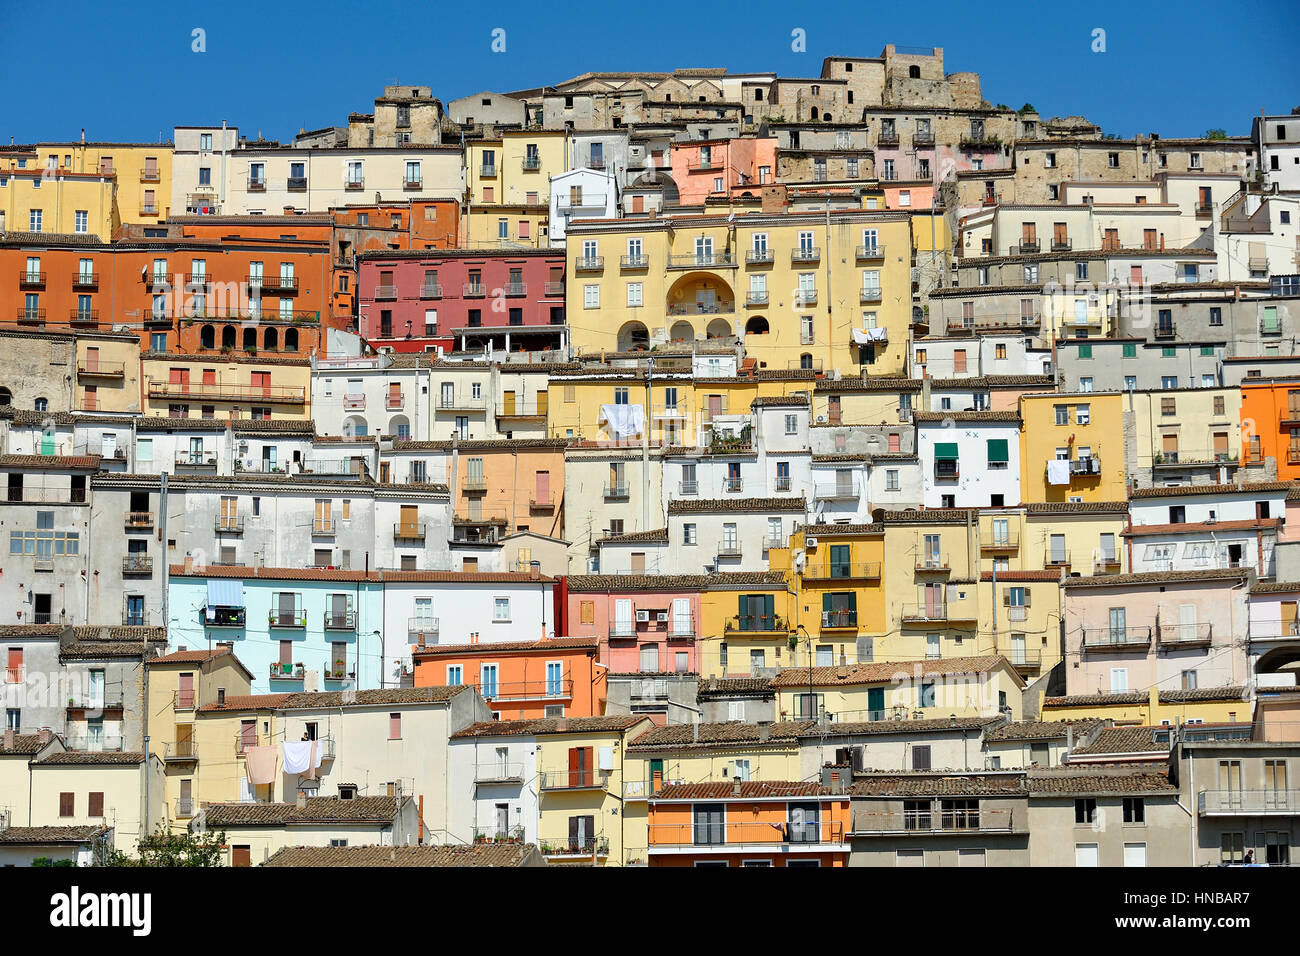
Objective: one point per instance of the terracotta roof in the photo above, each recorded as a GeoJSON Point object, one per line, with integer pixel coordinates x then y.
{"type": "Point", "coordinates": [732, 687]}
{"type": "Point", "coordinates": [724, 505]}
{"type": "Point", "coordinates": [930, 516]}
{"type": "Point", "coordinates": [1275, 587]}
{"type": "Point", "coordinates": [495, 647]}
{"type": "Point", "coordinates": [369, 698]}
{"type": "Point", "coordinates": [96, 757]}
{"type": "Point", "coordinates": [23, 744]}
{"type": "Point", "coordinates": [1228, 692]}
{"type": "Point", "coordinates": [1156, 577]}
{"type": "Point", "coordinates": [832, 529]}
{"type": "Point", "coordinates": [636, 582]}
{"type": "Point", "coordinates": [1124, 740]}
{"type": "Point", "coordinates": [1067, 781]}
{"type": "Point", "coordinates": [731, 733]}
{"type": "Point", "coordinates": [478, 854]}
{"type": "Point", "coordinates": [51, 462]}
{"type": "Point", "coordinates": [1245, 488]}
{"type": "Point", "coordinates": [749, 790]}
{"type": "Point", "coordinates": [875, 673]}
{"type": "Point", "coordinates": [1201, 694]}
{"type": "Point", "coordinates": [480, 444]}
{"type": "Point", "coordinates": [338, 574]}
{"type": "Point", "coordinates": [48, 835]}
{"type": "Point", "coordinates": [1039, 729]}
{"type": "Point", "coordinates": [1096, 700]}
{"type": "Point", "coordinates": [924, 418]}
{"type": "Point", "coordinates": [658, 535]}
{"type": "Point", "coordinates": [1202, 527]}
{"type": "Point", "coordinates": [1045, 574]}
{"type": "Point", "coordinates": [551, 725]}
{"type": "Point", "coordinates": [936, 784]}
{"type": "Point", "coordinates": [780, 401]}
{"type": "Point", "coordinates": [379, 810]}
{"type": "Point", "coordinates": [935, 725]}
{"type": "Point", "coordinates": [192, 657]}
{"type": "Point", "coordinates": [1072, 507]}
{"type": "Point", "coordinates": [247, 702]}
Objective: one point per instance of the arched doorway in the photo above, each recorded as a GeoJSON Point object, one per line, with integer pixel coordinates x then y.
{"type": "Point", "coordinates": [682, 331]}
{"type": "Point", "coordinates": [208, 337]}
{"type": "Point", "coordinates": [633, 337]}
{"type": "Point", "coordinates": [757, 325]}
{"type": "Point", "coordinates": [291, 340]}
{"type": "Point", "coordinates": [250, 340]}
{"type": "Point", "coordinates": [355, 426]}
{"type": "Point", "coordinates": [271, 340]}
{"type": "Point", "coordinates": [400, 426]}
{"type": "Point", "coordinates": [720, 329]}
{"type": "Point", "coordinates": [228, 337]}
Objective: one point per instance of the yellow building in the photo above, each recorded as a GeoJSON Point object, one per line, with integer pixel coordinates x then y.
{"type": "Point", "coordinates": [800, 290]}
{"type": "Point", "coordinates": [1085, 431]}
{"type": "Point", "coordinates": [508, 181]}
{"type": "Point", "coordinates": [179, 685]}
{"type": "Point", "coordinates": [1181, 426]}
{"type": "Point", "coordinates": [702, 753]}
{"type": "Point", "coordinates": [188, 386]}
{"type": "Point", "coordinates": [838, 579]}
{"type": "Point", "coordinates": [143, 172]}
{"type": "Point", "coordinates": [108, 373]}
{"type": "Point", "coordinates": [33, 199]}
{"type": "Point", "coordinates": [865, 401]}
{"type": "Point", "coordinates": [929, 689]}
{"type": "Point", "coordinates": [223, 730]}
{"type": "Point", "coordinates": [1150, 708]}
{"type": "Point", "coordinates": [745, 625]}
{"type": "Point", "coordinates": [68, 788]}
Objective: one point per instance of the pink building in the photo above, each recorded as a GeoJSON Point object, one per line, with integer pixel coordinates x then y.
{"type": "Point", "coordinates": [645, 624]}
{"type": "Point", "coordinates": [415, 300]}
{"type": "Point", "coordinates": [1177, 630]}
{"type": "Point", "coordinates": [719, 167]}
{"type": "Point", "coordinates": [908, 195]}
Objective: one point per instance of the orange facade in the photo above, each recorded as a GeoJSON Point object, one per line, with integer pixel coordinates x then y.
{"type": "Point", "coordinates": [722, 167]}
{"type": "Point", "coordinates": [516, 483]}
{"type": "Point", "coordinates": [1270, 424]}
{"type": "Point", "coordinates": [521, 681]}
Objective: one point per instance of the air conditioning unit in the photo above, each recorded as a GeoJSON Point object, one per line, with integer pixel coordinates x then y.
{"type": "Point", "coordinates": [643, 617]}
{"type": "Point", "coordinates": [821, 419]}
{"type": "Point", "coordinates": [810, 542]}
{"type": "Point", "coordinates": [662, 617]}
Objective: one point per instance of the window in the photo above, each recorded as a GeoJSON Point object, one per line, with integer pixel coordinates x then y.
{"type": "Point", "coordinates": [1062, 414]}
{"type": "Point", "coordinates": [1085, 812]}
{"type": "Point", "coordinates": [634, 293]}
{"type": "Point", "coordinates": [1134, 810]}
{"type": "Point", "coordinates": [395, 722]}
{"type": "Point", "coordinates": [688, 534]}
{"type": "Point", "coordinates": [501, 609]}
{"type": "Point", "coordinates": [591, 297]}
{"type": "Point", "coordinates": [67, 805]}
{"type": "Point", "coordinates": [1082, 414]}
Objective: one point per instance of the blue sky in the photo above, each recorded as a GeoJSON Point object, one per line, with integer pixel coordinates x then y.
{"type": "Point", "coordinates": [128, 73]}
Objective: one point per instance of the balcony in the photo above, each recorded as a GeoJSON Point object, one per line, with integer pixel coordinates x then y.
{"type": "Point", "coordinates": [562, 849]}
{"type": "Point", "coordinates": [1262, 803]}
{"type": "Point", "coordinates": [839, 620]}
{"type": "Point", "coordinates": [935, 562]}
{"type": "Point", "coordinates": [865, 253]}
{"type": "Point", "coordinates": [385, 293]}
{"type": "Point", "coordinates": [355, 185]}
{"type": "Point", "coordinates": [1089, 467]}
{"type": "Point", "coordinates": [474, 483]}
{"type": "Point", "coordinates": [409, 530]}
{"type": "Point", "coordinates": [422, 630]}
{"type": "Point", "coordinates": [1062, 244]}
{"type": "Point", "coordinates": [430, 290]}
{"type": "Point", "coordinates": [1005, 541]}
{"type": "Point", "coordinates": [1116, 638]}
{"type": "Point", "coordinates": [498, 774]}
{"type": "Point", "coordinates": [734, 550]}
{"type": "Point", "coordinates": [515, 289]}
{"type": "Point", "coordinates": [542, 504]}
{"type": "Point", "coordinates": [355, 402]}
{"type": "Point", "coordinates": [100, 368]}
{"type": "Point", "coordinates": [257, 184]}
{"type": "Point", "coordinates": [553, 290]}
{"type": "Point", "coordinates": [837, 491]}
{"type": "Point", "coordinates": [412, 184]}
{"type": "Point", "coordinates": [634, 262]}
{"type": "Point", "coordinates": [887, 138]}
{"type": "Point", "coordinates": [221, 616]}
{"type": "Point", "coordinates": [923, 138]}
{"type": "Point", "coordinates": [733, 486]}
{"type": "Point", "coordinates": [96, 699]}
{"type": "Point", "coordinates": [756, 298]}
{"type": "Point", "coordinates": [1022, 658]}
{"type": "Point", "coordinates": [283, 672]}
{"type": "Point", "coordinates": [666, 836]}
{"type": "Point", "coordinates": [25, 314]}
{"type": "Point", "coordinates": [229, 524]}
{"type": "Point", "coordinates": [589, 264]}
{"type": "Point", "coordinates": [945, 821]}
{"type": "Point", "coordinates": [282, 284]}
{"type": "Point", "coordinates": [703, 260]}
{"type": "Point", "coordinates": [525, 690]}
{"type": "Point", "coordinates": [1204, 209]}
{"type": "Point", "coordinates": [1185, 635]}
{"type": "Point", "coordinates": [137, 564]}
{"type": "Point", "coordinates": [31, 279]}
{"type": "Point", "coordinates": [86, 280]}
{"type": "Point", "coordinates": [755, 623]}
{"type": "Point", "coordinates": [805, 254]}
{"type": "Point", "coordinates": [842, 571]}
{"type": "Point", "coordinates": [487, 170]}
{"type": "Point", "coordinates": [180, 751]}
{"type": "Point", "coordinates": [83, 316]}
{"type": "Point", "coordinates": [394, 401]}
{"type": "Point", "coordinates": [869, 294]}
{"type": "Point", "coordinates": [154, 280]}
{"type": "Point", "coordinates": [295, 618]}
{"type": "Point", "coordinates": [1106, 565]}
{"type": "Point", "coordinates": [1059, 559]}
{"type": "Point", "coordinates": [1027, 247]}
{"type": "Point", "coordinates": [688, 488]}
{"type": "Point", "coordinates": [757, 257]}
{"type": "Point", "coordinates": [185, 700]}
{"type": "Point", "coordinates": [296, 184]}
{"type": "Point", "coordinates": [586, 779]}
{"type": "Point", "coordinates": [946, 469]}
{"type": "Point", "coordinates": [148, 209]}
{"type": "Point", "coordinates": [1166, 330]}
{"type": "Point", "coordinates": [701, 308]}
{"type": "Point", "coordinates": [95, 743]}
{"type": "Point", "coordinates": [473, 290]}
{"type": "Point", "coordinates": [279, 394]}
{"type": "Point", "coordinates": [531, 162]}
{"type": "Point", "coordinates": [616, 491]}
{"type": "Point", "coordinates": [928, 613]}
{"type": "Point", "coordinates": [139, 521]}
{"type": "Point", "coordinates": [805, 297]}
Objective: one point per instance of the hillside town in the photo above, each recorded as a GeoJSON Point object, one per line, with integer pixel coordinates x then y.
{"type": "Point", "coordinates": [655, 469]}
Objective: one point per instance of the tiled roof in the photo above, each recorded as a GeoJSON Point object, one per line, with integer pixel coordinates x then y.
{"type": "Point", "coordinates": [1227, 692]}
{"type": "Point", "coordinates": [884, 671]}
{"type": "Point", "coordinates": [551, 725]}
{"type": "Point", "coordinates": [1069, 782]}
{"type": "Point", "coordinates": [658, 535]}
{"type": "Point", "coordinates": [733, 687]}
{"type": "Point", "coordinates": [96, 757]}
{"type": "Point", "coordinates": [192, 657]}
{"type": "Point", "coordinates": [636, 582]}
{"type": "Point", "coordinates": [247, 702]}
{"type": "Point", "coordinates": [1156, 577]}
{"type": "Point", "coordinates": [1245, 488]}
{"type": "Point", "coordinates": [725, 505]}
{"type": "Point", "coordinates": [935, 725]}
{"type": "Point", "coordinates": [780, 401]}
{"type": "Point", "coordinates": [937, 784]}
{"type": "Point", "coordinates": [1124, 740]}
{"type": "Point", "coordinates": [930, 516]}
{"type": "Point", "coordinates": [731, 733]}
{"type": "Point", "coordinates": [749, 790]}
{"type": "Point", "coordinates": [1045, 574]}
{"type": "Point", "coordinates": [1202, 527]}
{"type": "Point", "coordinates": [925, 418]}
{"type": "Point", "coordinates": [1096, 700]}
{"type": "Point", "coordinates": [380, 810]}
{"type": "Point", "coordinates": [274, 426]}
{"type": "Point", "coordinates": [1200, 694]}
{"type": "Point", "coordinates": [23, 744]}
{"type": "Point", "coordinates": [832, 530]}
{"type": "Point", "coordinates": [32, 836]}
{"type": "Point", "coordinates": [480, 444]}
{"type": "Point", "coordinates": [1275, 587]}
{"type": "Point", "coordinates": [369, 698]}
{"type": "Point", "coordinates": [1073, 507]}
{"type": "Point", "coordinates": [477, 854]}
{"type": "Point", "coordinates": [494, 647]}
{"type": "Point", "coordinates": [338, 574]}
{"type": "Point", "coordinates": [869, 385]}
{"type": "Point", "coordinates": [51, 462]}
{"type": "Point", "coordinates": [1039, 729]}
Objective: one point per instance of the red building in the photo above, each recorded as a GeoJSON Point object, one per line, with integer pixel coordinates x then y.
{"type": "Point", "coordinates": [463, 299]}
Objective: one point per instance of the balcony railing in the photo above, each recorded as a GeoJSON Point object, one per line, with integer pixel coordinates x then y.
{"type": "Point", "coordinates": [96, 699]}
{"type": "Point", "coordinates": [932, 561]}
{"type": "Point", "coordinates": [83, 316]}
{"type": "Point", "coordinates": [733, 486]}
{"type": "Point", "coordinates": [525, 690]}
{"type": "Point", "coordinates": [1106, 565]}
{"type": "Point", "coordinates": [702, 260]}
{"type": "Point", "coordinates": [394, 400]}
{"type": "Point", "coordinates": [514, 289]}
{"type": "Point", "coordinates": [634, 262]}
{"type": "Point", "coordinates": [229, 525]}
{"type": "Point", "coordinates": [839, 619]}
{"type": "Point", "coordinates": [805, 254]}
{"type": "Point", "coordinates": [1005, 541]}
{"type": "Point", "coordinates": [459, 402]}
{"type": "Point", "coordinates": [296, 618]}
{"type": "Point", "coordinates": [85, 280]}
{"type": "Point", "coordinates": [597, 846]}
{"type": "Point", "coordinates": [25, 314]}
{"type": "Point", "coordinates": [616, 491]}
{"type": "Point", "coordinates": [283, 394]}
{"type": "Point", "coordinates": [430, 291]}
{"type": "Point", "coordinates": [220, 616]}
{"type": "Point", "coordinates": [932, 822]}
{"type": "Point", "coordinates": [734, 550]}
{"type": "Point", "coordinates": [1028, 246]}
{"type": "Point", "coordinates": [936, 611]}
{"type": "Point", "coordinates": [339, 621]}
{"type": "Point", "coordinates": [836, 491]}
{"type": "Point", "coordinates": [1116, 637]}
{"type": "Point", "coordinates": [745, 834]}
{"type": "Point", "coordinates": [281, 671]}
{"type": "Point", "coordinates": [805, 297]}
{"type": "Point", "coordinates": [92, 743]}
{"type": "Point", "coordinates": [1059, 559]}
{"type": "Point", "coordinates": [1185, 635]}
{"type": "Point", "coordinates": [410, 183]}
{"type": "Point", "coordinates": [585, 779]}
{"type": "Point", "coordinates": [755, 257]}
{"type": "Point", "coordinates": [589, 264]}
{"type": "Point", "coordinates": [422, 630]}
{"type": "Point", "coordinates": [409, 530]}
{"type": "Point", "coordinates": [355, 184]}
{"type": "Point", "coordinates": [755, 623]}
{"type": "Point", "coordinates": [842, 571]}
{"type": "Point", "coordinates": [137, 564]}
{"type": "Point", "coordinates": [296, 184]}
{"type": "Point", "coordinates": [1253, 802]}
{"type": "Point", "coordinates": [486, 774]}
{"type": "Point", "coordinates": [701, 308]}
{"type": "Point", "coordinates": [553, 290]}
{"type": "Point", "coordinates": [31, 277]}
{"type": "Point", "coordinates": [869, 294]}
{"type": "Point", "coordinates": [180, 750]}
{"type": "Point", "coordinates": [756, 298]}
{"type": "Point", "coordinates": [1022, 657]}
{"type": "Point", "coordinates": [277, 283]}
{"type": "Point", "coordinates": [1166, 330]}
{"type": "Point", "coordinates": [538, 503]}
{"type": "Point", "coordinates": [139, 521]}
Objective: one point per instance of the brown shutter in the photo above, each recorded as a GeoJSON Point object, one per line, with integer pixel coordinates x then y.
{"type": "Point", "coordinates": [241, 856]}
{"type": "Point", "coordinates": [575, 757]}
{"type": "Point", "coordinates": [96, 804]}
{"type": "Point", "coordinates": [67, 804]}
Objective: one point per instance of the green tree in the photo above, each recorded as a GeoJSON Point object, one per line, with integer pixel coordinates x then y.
{"type": "Point", "coordinates": [165, 848]}
{"type": "Point", "coordinates": [1216, 134]}
{"type": "Point", "coordinates": [1027, 108]}
{"type": "Point", "coordinates": [46, 861]}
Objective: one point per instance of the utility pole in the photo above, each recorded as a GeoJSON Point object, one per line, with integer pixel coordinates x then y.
{"type": "Point", "coordinates": [645, 446]}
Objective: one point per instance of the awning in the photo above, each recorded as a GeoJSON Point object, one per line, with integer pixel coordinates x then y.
{"type": "Point", "coordinates": [870, 336]}
{"type": "Point", "coordinates": [946, 450]}
{"type": "Point", "coordinates": [224, 592]}
{"type": "Point", "coordinates": [998, 450]}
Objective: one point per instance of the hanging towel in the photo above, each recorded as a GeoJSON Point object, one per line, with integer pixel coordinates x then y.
{"type": "Point", "coordinates": [297, 756]}
{"type": "Point", "coordinates": [1058, 471]}
{"type": "Point", "coordinates": [260, 764]}
{"type": "Point", "coordinates": [867, 336]}
{"type": "Point", "coordinates": [623, 420]}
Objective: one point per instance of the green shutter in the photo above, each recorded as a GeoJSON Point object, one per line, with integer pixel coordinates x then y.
{"type": "Point", "coordinates": [1270, 318]}
{"type": "Point", "coordinates": [853, 601]}
{"type": "Point", "coordinates": [998, 451]}
{"type": "Point", "coordinates": [1130, 350]}
{"type": "Point", "coordinates": [769, 606]}
{"type": "Point", "coordinates": [1207, 350]}
{"type": "Point", "coordinates": [826, 603]}
{"type": "Point", "coordinates": [1085, 351]}
{"type": "Point", "coordinates": [1169, 352]}
{"type": "Point", "coordinates": [945, 450]}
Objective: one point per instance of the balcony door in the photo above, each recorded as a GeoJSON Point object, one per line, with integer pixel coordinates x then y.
{"type": "Point", "coordinates": [805, 822]}
{"type": "Point", "coordinates": [709, 829]}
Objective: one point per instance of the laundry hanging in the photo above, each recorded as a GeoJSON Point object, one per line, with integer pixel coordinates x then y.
{"type": "Point", "coordinates": [1058, 471]}
{"type": "Point", "coordinates": [260, 764]}
{"type": "Point", "coordinates": [624, 420]}
{"type": "Point", "coordinates": [297, 756]}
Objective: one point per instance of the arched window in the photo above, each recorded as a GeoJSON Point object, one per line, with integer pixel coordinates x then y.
{"type": "Point", "coordinates": [228, 337]}
{"type": "Point", "coordinates": [291, 340]}
{"type": "Point", "coordinates": [207, 337]}
{"type": "Point", "coordinates": [813, 113]}
{"type": "Point", "coordinates": [271, 340]}
{"type": "Point", "coordinates": [6, 397]}
{"type": "Point", "coordinates": [805, 360]}
{"type": "Point", "coordinates": [42, 404]}
{"type": "Point", "coordinates": [250, 340]}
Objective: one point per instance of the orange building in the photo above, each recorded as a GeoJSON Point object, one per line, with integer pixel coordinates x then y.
{"type": "Point", "coordinates": [521, 680]}
{"type": "Point", "coordinates": [749, 823]}
{"type": "Point", "coordinates": [1270, 423]}
{"type": "Point", "coordinates": [516, 481]}
{"type": "Point", "coordinates": [721, 167]}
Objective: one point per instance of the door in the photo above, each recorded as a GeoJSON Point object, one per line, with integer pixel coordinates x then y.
{"type": "Point", "coordinates": [262, 380]}
{"type": "Point", "coordinates": [488, 680]}
{"type": "Point", "coordinates": [409, 516]}
{"type": "Point", "coordinates": [185, 692]}
{"type": "Point", "coordinates": [1018, 649]}
{"type": "Point", "coordinates": [286, 608]}
{"type": "Point", "coordinates": [1187, 622]}
{"type": "Point", "coordinates": [502, 820]}
{"type": "Point", "coordinates": [649, 658]}
{"type": "Point", "coordinates": [508, 403]}
{"type": "Point", "coordinates": [582, 833]}
{"type": "Point", "coordinates": [339, 609]}
{"type": "Point", "coordinates": [681, 616]}
{"type": "Point", "coordinates": [554, 678]}
{"type": "Point", "coordinates": [875, 703]}
{"type": "Point", "coordinates": [580, 766]}
{"type": "Point", "coordinates": [1001, 532]}
{"type": "Point", "coordinates": [623, 617]}
{"type": "Point", "coordinates": [92, 359]}
{"type": "Point", "coordinates": [1230, 784]}
{"type": "Point", "coordinates": [805, 823]}
{"type": "Point", "coordinates": [543, 487]}
{"type": "Point", "coordinates": [656, 775]}
{"type": "Point", "coordinates": [709, 826]}
{"type": "Point", "coordinates": [185, 805]}
{"type": "Point", "coordinates": [247, 734]}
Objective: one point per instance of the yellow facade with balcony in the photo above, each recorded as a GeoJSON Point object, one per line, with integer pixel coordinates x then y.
{"type": "Point", "coordinates": [1083, 431]}
{"type": "Point", "coordinates": [108, 373]}
{"type": "Point", "coordinates": [745, 627]}
{"type": "Point", "coordinates": [839, 584]}
{"type": "Point", "coordinates": [508, 181]}
{"type": "Point", "coordinates": [1181, 426]}
{"type": "Point", "coordinates": [799, 290]}
{"type": "Point", "coordinates": [184, 386]}
{"type": "Point", "coordinates": [871, 402]}
{"type": "Point", "coordinates": [143, 172]}
{"type": "Point", "coordinates": [58, 201]}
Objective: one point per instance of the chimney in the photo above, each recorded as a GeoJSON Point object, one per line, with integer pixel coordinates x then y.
{"type": "Point", "coordinates": [302, 800]}
{"type": "Point", "coordinates": [735, 786]}
{"type": "Point", "coordinates": [9, 738]}
{"type": "Point", "coordinates": [83, 135]}
{"type": "Point", "coordinates": [1153, 704]}
{"type": "Point", "coordinates": [695, 731]}
{"type": "Point", "coordinates": [562, 725]}
{"type": "Point", "coordinates": [534, 569]}
{"type": "Point", "coordinates": [1069, 737]}
{"type": "Point", "coordinates": [288, 210]}
{"type": "Point", "coordinates": [764, 732]}
{"type": "Point", "coordinates": [43, 736]}
{"type": "Point", "coordinates": [225, 646]}
{"type": "Point", "coordinates": [189, 563]}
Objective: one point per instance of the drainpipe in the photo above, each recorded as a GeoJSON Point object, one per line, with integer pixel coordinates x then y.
{"type": "Point", "coordinates": [645, 447]}
{"type": "Point", "coordinates": [162, 532]}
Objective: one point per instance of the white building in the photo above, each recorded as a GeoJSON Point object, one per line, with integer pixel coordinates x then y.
{"type": "Point", "coordinates": [582, 194]}
{"type": "Point", "coordinates": [969, 459]}
{"type": "Point", "coordinates": [1278, 140]}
